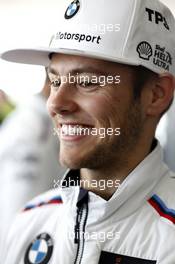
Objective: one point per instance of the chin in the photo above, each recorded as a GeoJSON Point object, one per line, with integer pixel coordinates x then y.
{"type": "Point", "coordinates": [70, 163]}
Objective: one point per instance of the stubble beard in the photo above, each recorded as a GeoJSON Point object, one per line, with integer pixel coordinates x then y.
{"type": "Point", "coordinates": [118, 150]}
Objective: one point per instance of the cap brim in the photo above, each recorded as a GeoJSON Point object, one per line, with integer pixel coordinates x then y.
{"type": "Point", "coordinates": [40, 56]}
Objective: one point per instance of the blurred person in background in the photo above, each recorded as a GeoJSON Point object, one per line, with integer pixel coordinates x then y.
{"type": "Point", "coordinates": [166, 134]}
{"type": "Point", "coordinates": [6, 106]}
{"type": "Point", "coordinates": [28, 156]}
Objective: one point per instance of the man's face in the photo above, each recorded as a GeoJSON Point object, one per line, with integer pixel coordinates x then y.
{"type": "Point", "coordinates": [86, 102]}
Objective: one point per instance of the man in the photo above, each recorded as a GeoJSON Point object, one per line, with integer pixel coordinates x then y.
{"type": "Point", "coordinates": [119, 79]}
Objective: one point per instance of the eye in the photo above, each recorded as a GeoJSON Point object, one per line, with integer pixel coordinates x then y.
{"type": "Point", "coordinates": [86, 84]}
{"type": "Point", "coordinates": [55, 83]}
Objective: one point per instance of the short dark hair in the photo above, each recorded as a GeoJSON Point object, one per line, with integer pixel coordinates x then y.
{"type": "Point", "coordinates": [141, 77]}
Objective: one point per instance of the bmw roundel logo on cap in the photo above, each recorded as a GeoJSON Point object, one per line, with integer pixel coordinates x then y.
{"type": "Point", "coordinates": [72, 9]}
{"type": "Point", "coordinates": [40, 250]}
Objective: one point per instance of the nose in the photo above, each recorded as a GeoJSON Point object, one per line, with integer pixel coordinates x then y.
{"type": "Point", "coordinates": [62, 101]}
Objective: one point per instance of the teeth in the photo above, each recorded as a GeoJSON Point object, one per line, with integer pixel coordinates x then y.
{"type": "Point", "coordinates": [71, 130]}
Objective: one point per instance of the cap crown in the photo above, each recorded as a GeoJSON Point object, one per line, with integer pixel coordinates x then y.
{"type": "Point", "coordinates": [135, 32]}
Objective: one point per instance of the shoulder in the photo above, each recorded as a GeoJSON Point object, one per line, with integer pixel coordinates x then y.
{"type": "Point", "coordinates": [52, 197]}
{"type": "Point", "coordinates": [40, 215]}
{"type": "Point", "coordinates": [162, 200]}
{"type": "Point", "coordinates": [37, 212]}
{"type": "Point", "coordinates": [166, 187]}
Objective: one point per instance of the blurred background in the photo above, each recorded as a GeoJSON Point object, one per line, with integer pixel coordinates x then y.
{"type": "Point", "coordinates": [28, 148]}
{"type": "Point", "coordinates": [20, 22]}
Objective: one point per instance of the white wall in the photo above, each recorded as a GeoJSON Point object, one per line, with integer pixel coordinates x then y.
{"type": "Point", "coordinates": [24, 23]}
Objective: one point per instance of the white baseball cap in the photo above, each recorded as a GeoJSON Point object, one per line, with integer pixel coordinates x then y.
{"type": "Point", "coordinates": [134, 32]}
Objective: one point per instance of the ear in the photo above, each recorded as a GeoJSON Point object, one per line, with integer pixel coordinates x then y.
{"type": "Point", "coordinates": [162, 92]}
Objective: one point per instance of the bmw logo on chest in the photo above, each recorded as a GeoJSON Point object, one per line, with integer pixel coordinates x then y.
{"type": "Point", "coordinates": [72, 9]}
{"type": "Point", "coordinates": [40, 250]}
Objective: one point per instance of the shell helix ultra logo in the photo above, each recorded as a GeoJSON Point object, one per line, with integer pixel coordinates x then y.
{"type": "Point", "coordinates": [162, 58]}
{"type": "Point", "coordinates": [159, 55]}
{"type": "Point", "coordinates": [144, 50]}
{"type": "Point", "coordinates": [72, 9]}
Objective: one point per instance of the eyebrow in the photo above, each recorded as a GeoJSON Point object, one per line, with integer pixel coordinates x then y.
{"type": "Point", "coordinates": [79, 71]}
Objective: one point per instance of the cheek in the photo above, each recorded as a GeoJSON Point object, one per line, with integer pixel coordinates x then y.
{"type": "Point", "coordinates": [105, 109]}
{"type": "Point", "coordinates": [49, 107]}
